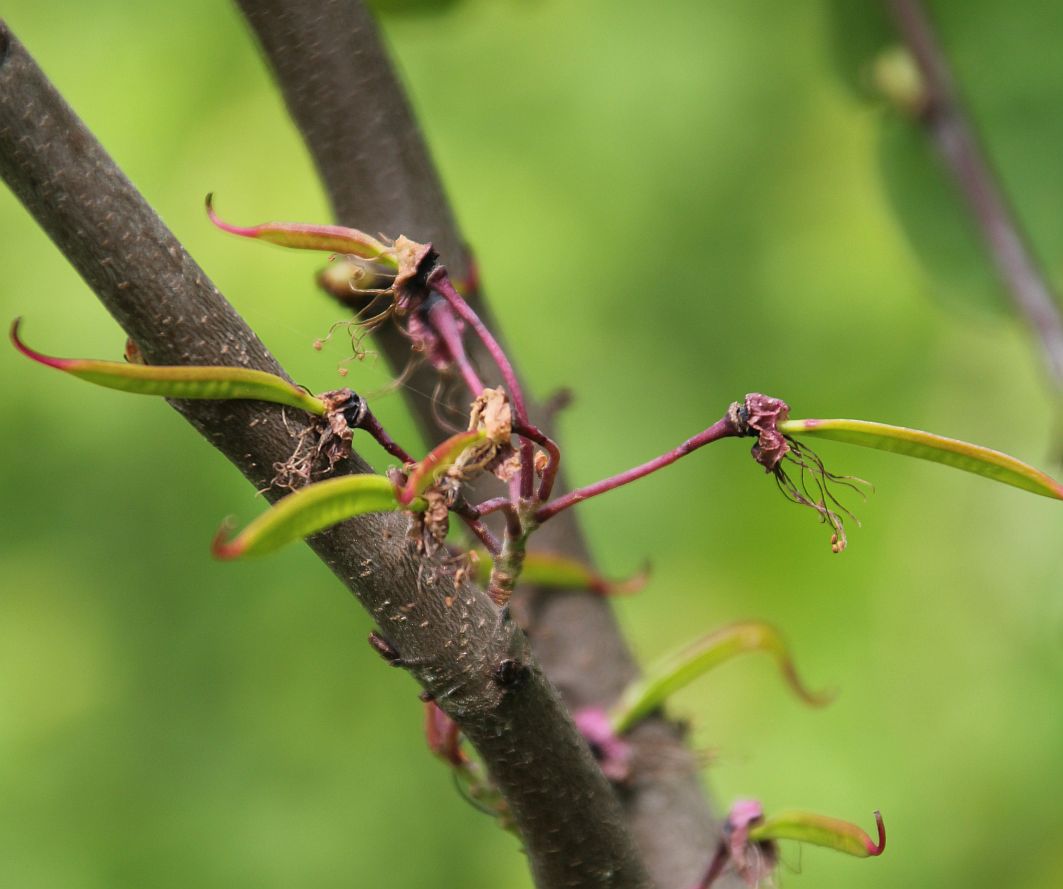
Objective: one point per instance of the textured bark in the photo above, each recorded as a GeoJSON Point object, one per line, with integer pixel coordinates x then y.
{"type": "Point", "coordinates": [569, 817]}
{"type": "Point", "coordinates": [342, 92]}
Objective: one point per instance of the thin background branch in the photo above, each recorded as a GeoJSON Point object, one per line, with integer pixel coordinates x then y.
{"type": "Point", "coordinates": [946, 123]}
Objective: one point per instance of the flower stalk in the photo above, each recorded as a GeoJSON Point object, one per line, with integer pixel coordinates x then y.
{"type": "Point", "coordinates": [722, 428]}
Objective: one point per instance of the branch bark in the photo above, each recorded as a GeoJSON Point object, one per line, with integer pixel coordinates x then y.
{"type": "Point", "coordinates": [341, 89]}
{"type": "Point", "coordinates": [568, 816]}
{"type": "Point", "coordinates": [946, 123]}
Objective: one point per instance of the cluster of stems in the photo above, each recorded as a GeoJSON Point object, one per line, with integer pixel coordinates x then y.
{"type": "Point", "coordinates": [529, 501]}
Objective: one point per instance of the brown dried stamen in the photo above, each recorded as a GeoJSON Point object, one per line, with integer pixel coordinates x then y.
{"type": "Point", "coordinates": [760, 415]}
{"type": "Point", "coordinates": [815, 491]}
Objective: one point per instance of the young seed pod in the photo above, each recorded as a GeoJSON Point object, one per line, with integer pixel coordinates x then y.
{"type": "Point", "coordinates": [213, 383]}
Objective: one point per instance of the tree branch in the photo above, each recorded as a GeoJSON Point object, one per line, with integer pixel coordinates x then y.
{"type": "Point", "coordinates": [570, 820]}
{"type": "Point", "coordinates": [341, 90]}
{"type": "Point", "coordinates": [943, 117]}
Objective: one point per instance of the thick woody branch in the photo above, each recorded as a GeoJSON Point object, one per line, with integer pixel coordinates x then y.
{"type": "Point", "coordinates": [340, 88]}
{"type": "Point", "coordinates": [568, 816]}
{"type": "Point", "coordinates": [342, 91]}
{"type": "Point", "coordinates": [943, 117]}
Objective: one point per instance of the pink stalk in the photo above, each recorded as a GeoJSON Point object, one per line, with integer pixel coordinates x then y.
{"type": "Point", "coordinates": [543, 440]}
{"type": "Point", "coordinates": [439, 281]}
{"type": "Point", "coordinates": [372, 425]}
{"type": "Point", "coordinates": [514, 526]}
{"type": "Point", "coordinates": [490, 506]}
{"type": "Point", "coordinates": [483, 534]}
{"type": "Point", "coordinates": [441, 317]}
{"type": "Point", "coordinates": [716, 866]}
{"type": "Point", "coordinates": [471, 515]}
{"type": "Point", "coordinates": [722, 428]}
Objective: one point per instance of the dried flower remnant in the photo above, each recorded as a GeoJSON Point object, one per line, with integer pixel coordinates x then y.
{"type": "Point", "coordinates": [753, 861]}
{"type": "Point", "coordinates": [437, 479]}
{"type": "Point", "coordinates": [815, 491]}
{"type": "Point", "coordinates": [352, 281]}
{"type": "Point", "coordinates": [491, 414]}
{"type": "Point", "coordinates": [324, 442]}
{"type": "Point", "coordinates": [762, 416]}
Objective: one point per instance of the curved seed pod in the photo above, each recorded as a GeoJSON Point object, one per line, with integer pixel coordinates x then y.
{"type": "Point", "coordinates": [555, 571]}
{"type": "Point", "coordinates": [440, 459]}
{"type": "Point", "coordinates": [680, 669]}
{"type": "Point", "coordinates": [927, 446]}
{"type": "Point", "coordinates": [309, 510]}
{"type": "Point", "coordinates": [179, 382]}
{"type": "Point", "coordinates": [304, 236]}
{"type": "Point", "coordinates": [820, 830]}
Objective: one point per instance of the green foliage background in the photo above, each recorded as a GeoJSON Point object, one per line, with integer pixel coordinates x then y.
{"type": "Point", "coordinates": [671, 207]}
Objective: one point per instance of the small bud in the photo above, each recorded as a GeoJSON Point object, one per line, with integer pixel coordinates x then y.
{"type": "Point", "coordinates": [385, 649]}
{"type": "Point", "coordinates": [132, 352]}
{"type": "Point", "coordinates": [613, 753]}
{"type": "Point", "coordinates": [510, 673]}
{"type": "Point", "coordinates": [897, 77]}
{"type": "Point", "coordinates": [443, 735]}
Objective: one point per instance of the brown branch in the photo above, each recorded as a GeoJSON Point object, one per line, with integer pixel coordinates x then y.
{"type": "Point", "coordinates": [570, 820]}
{"type": "Point", "coordinates": [943, 116]}
{"type": "Point", "coordinates": [340, 88]}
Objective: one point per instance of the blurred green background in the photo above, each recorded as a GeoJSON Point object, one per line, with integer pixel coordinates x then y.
{"type": "Point", "coordinates": [672, 206]}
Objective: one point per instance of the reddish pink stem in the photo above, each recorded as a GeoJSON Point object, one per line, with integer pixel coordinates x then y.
{"type": "Point", "coordinates": [543, 440]}
{"type": "Point", "coordinates": [483, 534]}
{"type": "Point", "coordinates": [372, 425]}
{"type": "Point", "coordinates": [441, 317]}
{"type": "Point", "coordinates": [439, 281]}
{"type": "Point", "coordinates": [471, 515]}
{"type": "Point", "coordinates": [490, 506]}
{"type": "Point", "coordinates": [514, 527]}
{"type": "Point", "coordinates": [722, 428]}
{"type": "Point", "coordinates": [716, 866]}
